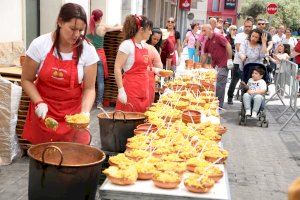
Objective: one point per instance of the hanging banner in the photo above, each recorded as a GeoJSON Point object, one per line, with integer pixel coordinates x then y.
{"type": "Point", "coordinates": [185, 5]}
{"type": "Point", "coordinates": [230, 4]}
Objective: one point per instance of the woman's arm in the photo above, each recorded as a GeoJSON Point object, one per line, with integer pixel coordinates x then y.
{"type": "Point", "coordinates": [242, 52]}
{"type": "Point", "coordinates": [89, 93]}
{"type": "Point", "coordinates": [179, 47]}
{"type": "Point", "coordinates": [264, 39]}
{"type": "Point", "coordinates": [28, 77]}
{"type": "Point", "coordinates": [119, 63]}
{"type": "Point", "coordinates": [116, 27]}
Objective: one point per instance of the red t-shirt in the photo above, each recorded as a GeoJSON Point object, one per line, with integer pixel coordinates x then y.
{"type": "Point", "coordinates": [167, 51]}
{"type": "Point", "coordinates": [297, 49]}
{"type": "Point", "coordinates": [216, 47]}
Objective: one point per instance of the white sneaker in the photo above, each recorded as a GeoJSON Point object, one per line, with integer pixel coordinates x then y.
{"type": "Point", "coordinates": [254, 115]}
{"type": "Point", "coordinates": [248, 112]}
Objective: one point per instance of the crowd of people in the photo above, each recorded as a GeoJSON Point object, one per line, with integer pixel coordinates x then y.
{"type": "Point", "coordinates": [250, 43]}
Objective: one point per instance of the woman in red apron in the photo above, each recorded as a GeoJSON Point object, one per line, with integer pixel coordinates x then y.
{"type": "Point", "coordinates": [59, 90]}
{"type": "Point", "coordinates": [174, 37]}
{"type": "Point", "coordinates": [132, 57]}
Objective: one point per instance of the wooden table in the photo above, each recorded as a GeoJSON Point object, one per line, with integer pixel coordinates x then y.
{"type": "Point", "coordinates": [146, 190]}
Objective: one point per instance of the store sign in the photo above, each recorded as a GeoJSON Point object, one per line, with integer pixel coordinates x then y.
{"type": "Point", "coordinates": [185, 4]}
{"type": "Point", "coordinates": [230, 4]}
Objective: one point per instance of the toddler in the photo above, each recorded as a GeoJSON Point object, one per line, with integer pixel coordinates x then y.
{"type": "Point", "coordinates": [257, 87]}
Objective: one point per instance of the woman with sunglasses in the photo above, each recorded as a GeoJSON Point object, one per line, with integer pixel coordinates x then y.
{"type": "Point", "coordinates": [289, 39]}
{"type": "Point", "coordinates": [232, 30]}
{"type": "Point", "coordinates": [59, 77]}
{"type": "Point", "coordinates": [174, 37]}
{"type": "Point", "coordinates": [133, 59]}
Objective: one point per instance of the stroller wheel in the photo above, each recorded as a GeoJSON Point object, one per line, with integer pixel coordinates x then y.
{"type": "Point", "coordinates": [265, 124]}
{"type": "Point", "coordinates": [259, 123]}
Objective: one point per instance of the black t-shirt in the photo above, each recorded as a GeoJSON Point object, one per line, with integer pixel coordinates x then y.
{"type": "Point", "coordinates": [269, 36]}
{"type": "Point", "coordinates": [177, 35]}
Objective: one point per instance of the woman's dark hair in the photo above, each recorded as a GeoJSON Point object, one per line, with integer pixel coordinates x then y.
{"type": "Point", "coordinates": [68, 12]}
{"type": "Point", "coordinates": [287, 49]}
{"type": "Point", "coordinates": [259, 32]}
{"type": "Point", "coordinates": [193, 25]}
{"type": "Point", "coordinates": [260, 70]}
{"type": "Point", "coordinates": [133, 23]}
{"type": "Point", "coordinates": [158, 45]}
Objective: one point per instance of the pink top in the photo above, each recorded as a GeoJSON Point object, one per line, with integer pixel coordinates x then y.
{"type": "Point", "coordinates": [192, 38]}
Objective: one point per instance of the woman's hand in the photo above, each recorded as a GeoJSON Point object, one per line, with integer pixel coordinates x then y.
{"type": "Point", "coordinates": [264, 38]}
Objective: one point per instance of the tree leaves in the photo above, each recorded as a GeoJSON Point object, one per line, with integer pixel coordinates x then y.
{"type": "Point", "coordinates": [288, 12]}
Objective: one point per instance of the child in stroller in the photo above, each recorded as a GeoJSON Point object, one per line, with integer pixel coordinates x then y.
{"type": "Point", "coordinates": [253, 93]}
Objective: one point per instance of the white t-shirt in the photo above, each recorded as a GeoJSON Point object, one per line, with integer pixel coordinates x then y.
{"type": "Point", "coordinates": [257, 85]}
{"type": "Point", "coordinates": [128, 48]}
{"type": "Point", "coordinates": [40, 47]}
{"type": "Point", "coordinates": [239, 39]}
{"type": "Point", "coordinates": [277, 39]}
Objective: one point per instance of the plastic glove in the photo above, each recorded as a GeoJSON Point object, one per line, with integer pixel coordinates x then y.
{"type": "Point", "coordinates": [41, 110]}
{"type": "Point", "coordinates": [229, 64]}
{"type": "Point", "coordinates": [156, 70]}
{"type": "Point", "coordinates": [122, 97]}
{"type": "Point", "coordinates": [87, 114]}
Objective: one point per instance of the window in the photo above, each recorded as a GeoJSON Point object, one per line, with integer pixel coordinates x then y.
{"type": "Point", "coordinates": [215, 6]}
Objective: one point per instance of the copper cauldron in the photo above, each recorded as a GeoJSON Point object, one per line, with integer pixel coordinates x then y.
{"type": "Point", "coordinates": [63, 170]}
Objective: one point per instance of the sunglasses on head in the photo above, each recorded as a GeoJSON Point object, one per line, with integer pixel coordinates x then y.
{"type": "Point", "coordinates": [170, 21]}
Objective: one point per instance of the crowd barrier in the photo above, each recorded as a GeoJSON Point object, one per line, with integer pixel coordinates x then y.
{"type": "Point", "coordinates": [286, 83]}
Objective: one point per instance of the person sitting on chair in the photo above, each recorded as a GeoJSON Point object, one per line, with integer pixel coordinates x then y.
{"type": "Point", "coordinates": [256, 88]}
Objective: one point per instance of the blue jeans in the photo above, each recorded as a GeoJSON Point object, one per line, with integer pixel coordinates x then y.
{"type": "Point", "coordinates": [100, 83]}
{"type": "Point", "coordinates": [192, 54]}
{"type": "Point", "coordinates": [257, 101]}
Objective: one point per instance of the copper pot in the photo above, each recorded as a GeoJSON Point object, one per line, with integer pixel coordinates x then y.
{"type": "Point", "coordinates": [64, 170]}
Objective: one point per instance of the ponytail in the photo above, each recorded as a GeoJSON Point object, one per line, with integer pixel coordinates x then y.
{"type": "Point", "coordinates": [92, 25]}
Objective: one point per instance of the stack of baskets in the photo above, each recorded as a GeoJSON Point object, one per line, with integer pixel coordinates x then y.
{"type": "Point", "coordinates": [112, 40]}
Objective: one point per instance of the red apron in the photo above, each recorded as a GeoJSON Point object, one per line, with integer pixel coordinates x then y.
{"type": "Point", "coordinates": [173, 40]}
{"type": "Point", "coordinates": [151, 87]}
{"type": "Point", "coordinates": [136, 83]}
{"type": "Point", "coordinates": [58, 86]}
{"type": "Point", "coordinates": [102, 56]}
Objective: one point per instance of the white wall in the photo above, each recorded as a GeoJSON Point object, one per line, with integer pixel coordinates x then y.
{"type": "Point", "coordinates": [48, 14]}
{"type": "Point", "coordinates": [113, 14]}
{"type": "Point", "coordinates": [200, 13]}
{"type": "Point", "coordinates": [11, 16]}
{"type": "Point", "coordinates": [50, 9]}
{"type": "Point", "coordinates": [137, 7]}
{"type": "Point", "coordinates": [100, 4]}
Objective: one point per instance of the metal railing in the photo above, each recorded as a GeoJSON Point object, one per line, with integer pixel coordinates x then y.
{"type": "Point", "coordinates": [286, 77]}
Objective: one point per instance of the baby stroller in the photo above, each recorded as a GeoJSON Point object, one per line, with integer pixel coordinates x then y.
{"type": "Point", "coordinates": [247, 74]}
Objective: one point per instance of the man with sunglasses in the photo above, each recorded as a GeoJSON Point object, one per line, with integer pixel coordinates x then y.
{"type": "Point", "coordinates": [261, 25]}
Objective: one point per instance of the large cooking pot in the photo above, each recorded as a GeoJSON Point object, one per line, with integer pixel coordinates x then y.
{"type": "Point", "coordinates": [116, 128]}
{"type": "Point", "coordinates": [63, 170]}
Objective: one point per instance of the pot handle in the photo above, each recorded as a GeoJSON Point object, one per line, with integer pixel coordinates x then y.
{"type": "Point", "coordinates": [54, 147]}
{"type": "Point", "coordinates": [120, 112]}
